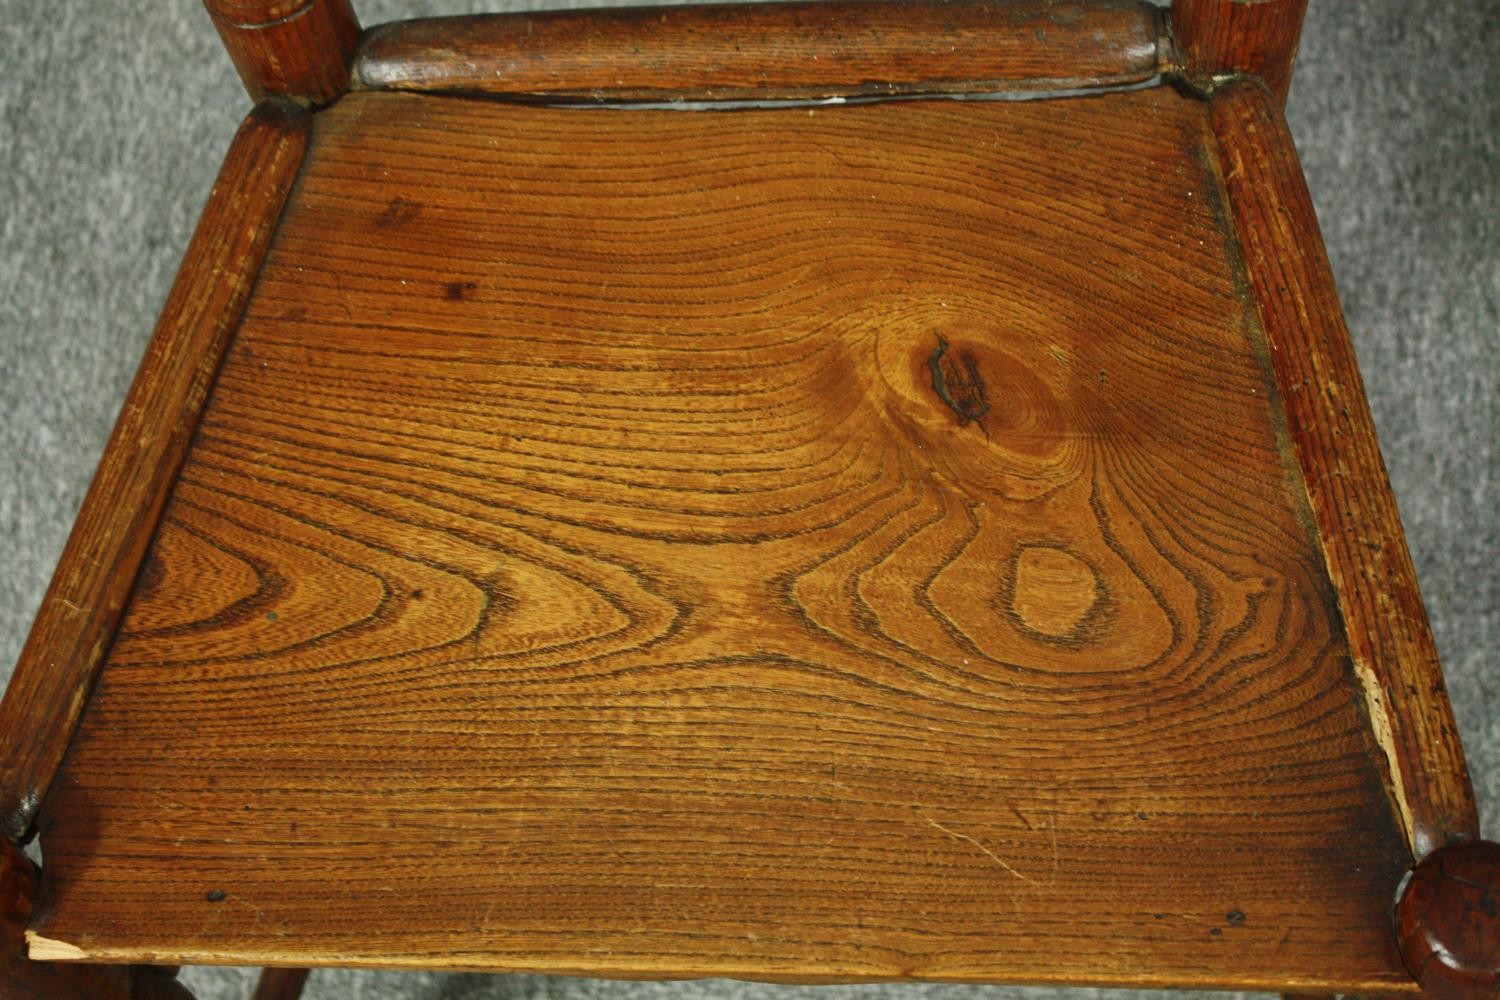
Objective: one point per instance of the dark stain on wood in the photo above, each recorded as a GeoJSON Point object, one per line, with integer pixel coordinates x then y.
{"type": "Point", "coordinates": [957, 382]}
{"type": "Point", "coordinates": [397, 210]}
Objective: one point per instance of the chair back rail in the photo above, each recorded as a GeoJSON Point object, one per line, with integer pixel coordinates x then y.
{"type": "Point", "coordinates": [771, 51]}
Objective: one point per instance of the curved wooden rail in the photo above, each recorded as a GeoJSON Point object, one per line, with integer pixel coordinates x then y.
{"type": "Point", "coordinates": [1348, 489]}
{"type": "Point", "coordinates": [770, 51]}
{"type": "Point", "coordinates": [77, 619]}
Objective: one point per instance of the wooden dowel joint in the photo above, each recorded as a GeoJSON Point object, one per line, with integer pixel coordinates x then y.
{"type": "Point", "coordinates": [1214, 39]}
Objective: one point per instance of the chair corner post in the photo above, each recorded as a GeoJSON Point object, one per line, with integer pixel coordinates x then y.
{"type": "Point", "coordinates": [1228, 37]}
{"type": "Point", "coordinates": [301, 49]}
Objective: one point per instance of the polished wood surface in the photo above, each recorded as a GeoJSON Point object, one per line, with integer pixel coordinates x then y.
{"type": "Point", "coordinates": [1448, 921]}
{"type": "Point", "coordinates": [775, 50]}
{"type": "Point", "coordinates": [1224, 37]}
{"type": "Point", "coordinates": [813, 544]}
{"type": "Point", "coordinates": [78, 615]}
{"type": "Point", "coordinates": [1333, 436]}
{"type": "Point", "coordinates": [288, 48]}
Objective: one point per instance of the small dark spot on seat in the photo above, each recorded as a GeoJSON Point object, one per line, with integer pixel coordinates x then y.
{"type": "Point", "coordinates": [457, 291]}
{"type": "Point", "coordinates": [1215, 931]}
{"type": "Point", "coordinates": [215, 895]}
{"type": "Point", "coordinates": [1158, 916]}
{"type": "Point", "coordinates": [1235, 917]}
{"type": "Point", "coordinates": [271, 616]}
{"type": "Point", "coordinates": [151, 576]}
{"type": "Point", "coordinates": [417, 594]}
{"type": "Point", "coordinates": [397, 210]}
{"type": "Point", "coordinates": [1142, 815]}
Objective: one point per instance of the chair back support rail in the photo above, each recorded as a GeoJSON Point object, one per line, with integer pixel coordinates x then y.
{"type": "Point", "coordinates": [298, 54]}
{"type": "Point", "coordinates": [305, 49]}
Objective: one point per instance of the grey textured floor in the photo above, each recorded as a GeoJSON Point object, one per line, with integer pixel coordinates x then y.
{"type": "Point", "coordinates": [113, 118]}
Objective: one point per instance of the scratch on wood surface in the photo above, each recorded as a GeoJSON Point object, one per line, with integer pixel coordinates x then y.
{"type": "Point", "coordinates": [991, 854]}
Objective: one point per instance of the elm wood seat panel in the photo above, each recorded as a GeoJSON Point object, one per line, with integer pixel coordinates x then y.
{"type": "Point", "coordinates": [813, 543]}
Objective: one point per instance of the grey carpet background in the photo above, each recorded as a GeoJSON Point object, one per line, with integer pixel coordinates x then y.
{"type": "Point", "coordinates": [113, 118]}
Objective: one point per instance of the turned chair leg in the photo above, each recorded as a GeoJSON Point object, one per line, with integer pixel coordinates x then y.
{"type": "Point", "coordinates": [280, 984]}
{"type": "Point", "coordinates": [1448, 922]}
{"type": "Point", "coordinates": [306, 57]}
{"type": "Point", "coordinates": [149, 982]}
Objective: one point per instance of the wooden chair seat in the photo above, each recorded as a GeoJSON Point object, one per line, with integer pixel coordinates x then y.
{"type": "Point", "coordinates": [937, 538]}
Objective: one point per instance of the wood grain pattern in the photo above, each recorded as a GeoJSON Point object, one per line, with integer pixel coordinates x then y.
{"type": "Point", "coordinates": [289, 48]}
{"type": "Point", "coordinates": [776, 50]}
{"type": "Point", "coordinates": [89, 589]}
{"type": "Point", "coordinates": [1347, 486]}
{"type": "Point", "coordinates": [1448, 922]}
{"type": "Point", "coordinates": [810, 544]}
{"type": "Point", "coordinates": [1225, 37]}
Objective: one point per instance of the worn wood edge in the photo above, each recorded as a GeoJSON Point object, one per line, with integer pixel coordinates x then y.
{"type": "Point", "coordinates": [77, 618]}
{"type": "Point", "coordinates": [44, 949]}
{"type": "Point", "coordinates": [258, 13]}
{"type": "Point", "coordinates": [1348, 490]}
{"type": "Point", "coordinates": [802, 50]}
{"type": "Point", "coordinates": [50, 949]}
{"type": "Point", "coordinates": [22, 977]}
